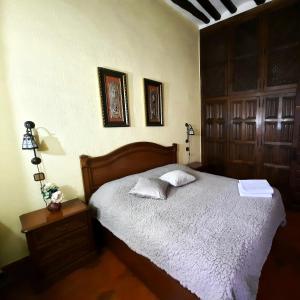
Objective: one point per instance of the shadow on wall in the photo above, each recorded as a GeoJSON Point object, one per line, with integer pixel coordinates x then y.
{"type": "Point", "coordinates": [7, 239]}
{"type": "Point", "coordinates": [68, 191]}
{"type": "Point", "coordinates": [48, 143]}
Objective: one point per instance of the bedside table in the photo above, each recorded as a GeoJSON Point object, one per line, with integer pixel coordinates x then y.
{"type": "Point", "coordinates": [196, 165]}
{"type": "Point", "coordinates": [212, 169]}
{"type": "Point", "coordinates": [58, 241]}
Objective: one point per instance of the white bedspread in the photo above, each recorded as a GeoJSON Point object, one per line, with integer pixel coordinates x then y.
{"type": "Point", "coordinates": [205, 235]}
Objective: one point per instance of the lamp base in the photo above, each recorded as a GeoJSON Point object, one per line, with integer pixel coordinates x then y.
{"type": "Point", "coordinates": [54, 206]}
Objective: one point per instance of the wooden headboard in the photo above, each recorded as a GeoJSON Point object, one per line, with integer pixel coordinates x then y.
{"type": "Point", "coordinates": [129, 159]}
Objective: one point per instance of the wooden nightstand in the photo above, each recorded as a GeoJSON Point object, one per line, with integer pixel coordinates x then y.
{"type": "Point", "coordinates": [58, 241]}
{"type": "Point", "coordinates": [212, 169]}
{"type": "Point", "coordinates": [196, 165]}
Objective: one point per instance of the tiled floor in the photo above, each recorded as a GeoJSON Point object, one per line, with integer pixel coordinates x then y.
{"type": "Point", "coordinates": [107, 278]}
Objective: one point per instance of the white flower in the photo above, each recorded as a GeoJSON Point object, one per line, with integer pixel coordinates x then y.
{"type": "Point", "coordinates": [57, 197]}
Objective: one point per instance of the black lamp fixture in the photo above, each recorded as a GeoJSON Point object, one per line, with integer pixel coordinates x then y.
{"type": "Point", "coordinates": [29, 143]}
{"type": "Point", "coordinates": [189, 131]}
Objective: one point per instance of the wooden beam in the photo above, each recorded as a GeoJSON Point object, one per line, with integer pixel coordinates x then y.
{"type": "Point", "coordinates": [258, 2]}
{"type": "Point", "coordinates": [210, 9]}
{"type": "Point", "coordinates": [229, 5]}
{"type": "Point", "coordinates": [189, 7]}
{"type": "Point", "coordinates": [249, 14]}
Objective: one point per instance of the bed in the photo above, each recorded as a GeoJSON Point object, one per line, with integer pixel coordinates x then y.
{"type": "Point", "coordinates": [229, 267]}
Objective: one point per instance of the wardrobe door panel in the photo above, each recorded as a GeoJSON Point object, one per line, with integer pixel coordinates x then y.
{"type": "Point", "coordinates": [214, 48]}
{"type": "Point", "coordinates": [284, 26]}
{"type": "Point", "coordinates": [277, 155]}
{"type": "Point", "coordinates": [214, 64]}
{"type": "Point", "coordinates": [246, 38]}
{"type": "Point", "coordinates": [277, 142]}
{"type": "Point", "coordinates": [295, 167]}
{"type": "Point", "coordinates": [214, 132]}
{"type": "Point", "coordinates": [244, 56]}
{"type": "Point", "coordinates": [243, 137]}
{"type": "Point", "coordinates": [213, 81]}
{"type": "Point", "coordinates": [245, 74]}
{"type": "Point", "coordinates": [214, 153]}
{"type": "Point", "coordinates": [278, 177]}
{"type": "Point", "coordinates": [283, 47]}
{"type": "Point", "coordinates": [282, 71]}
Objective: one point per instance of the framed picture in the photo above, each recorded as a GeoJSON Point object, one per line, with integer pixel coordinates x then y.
{"type": "Point", "coordinates": [113, 91]}
{"type": "Point", "coordinates": [153, 103]}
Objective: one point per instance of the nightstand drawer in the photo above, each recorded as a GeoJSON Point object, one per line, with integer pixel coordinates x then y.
{"type": "Point", "coordinates": [47, 234]}
{"type": "Point", "coordinates": [63, 261]}
{"type": "Point", "coordinates": [65, 245]}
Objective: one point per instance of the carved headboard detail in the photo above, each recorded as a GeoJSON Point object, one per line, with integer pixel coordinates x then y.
{"type": "Point", "coordinates": [126, 160]}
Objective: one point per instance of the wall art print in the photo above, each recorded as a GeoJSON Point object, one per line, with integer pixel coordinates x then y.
{"type": "Point", "coordinates": [113, 91]}
{"type": "Point", "coordinates": [153, 102]}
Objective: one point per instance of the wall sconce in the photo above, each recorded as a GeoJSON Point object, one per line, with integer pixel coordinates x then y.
{"type": "Point", "coordinates": [29, 143]}
{"type": "Point", "coordinates": [189, 131]}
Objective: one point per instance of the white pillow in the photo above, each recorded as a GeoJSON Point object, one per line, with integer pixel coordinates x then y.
{"type": "Point", "coordinates": [151, 188]}
{"type": "Point", "coordinates": [177, 178]}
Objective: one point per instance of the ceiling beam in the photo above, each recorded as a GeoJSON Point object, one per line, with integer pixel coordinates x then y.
{"type": "Point", "coordinates": [229, 5]}
{"type": "Point", "coordinates": [258, 2]}
{"type": "Point", "coordinates": [210, 9]}
{"type": "Point", "coordinates": [188, 6]}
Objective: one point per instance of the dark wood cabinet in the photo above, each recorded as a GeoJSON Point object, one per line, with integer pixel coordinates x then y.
{"type": "Point", "coordinates": [214, 80]}
{"type": "Point", "coordinates": [282, 61]}
{"type": "Point", "coordinates": [295, 166]}
{"type": "Point", "coordinates": [244, 58]}
{"type": "Point", "coordinates": [214, 65]}
{"type": "Point", "coordinates": [251, 128]}
{"type": "Point", "coordinates": [58, 241]}
{"type": "Point", "coordinates": [243, 137]}
{"type": "Point", "coordinates": [214, 131]}
{"type": "Point", "coordinates": [278, 117]}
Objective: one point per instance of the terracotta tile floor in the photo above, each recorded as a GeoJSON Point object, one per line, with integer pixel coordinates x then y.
{"type": "Point", "coordinates": [107, 278]}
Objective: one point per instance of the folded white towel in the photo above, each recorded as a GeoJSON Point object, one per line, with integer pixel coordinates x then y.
{"type": "Point", "coordinates": [256, 186]}
{"type": "Point", "coordinates": [243, 193]}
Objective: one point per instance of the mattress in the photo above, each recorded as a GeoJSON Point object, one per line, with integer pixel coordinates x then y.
{"type": "Point", "coordinates": [205, 235]}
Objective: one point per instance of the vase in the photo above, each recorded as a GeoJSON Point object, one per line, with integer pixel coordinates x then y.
{"type": "Point", "coordinates": [52, 206]}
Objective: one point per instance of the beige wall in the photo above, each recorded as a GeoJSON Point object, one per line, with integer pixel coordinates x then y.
{"type": "Point", "coordinates": [49, 54]}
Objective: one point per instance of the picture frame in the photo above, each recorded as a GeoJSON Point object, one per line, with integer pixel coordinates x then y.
{"type": "Point", "coordinates": [153, 102]}
{"type": "Point", "coordinates": [114, 100]}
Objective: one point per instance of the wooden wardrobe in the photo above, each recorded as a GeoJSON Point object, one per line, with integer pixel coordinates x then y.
{"type": "Point", "coordinates": [250, 69]}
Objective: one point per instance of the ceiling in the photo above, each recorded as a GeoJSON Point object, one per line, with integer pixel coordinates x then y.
{"type": "Point", "coordinates": [194, 11]}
